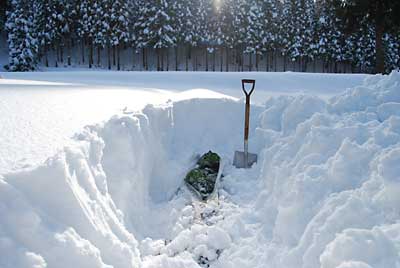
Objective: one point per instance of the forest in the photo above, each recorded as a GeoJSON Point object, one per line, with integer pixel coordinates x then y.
{"type": "Point", "coordinates": [207, 35]}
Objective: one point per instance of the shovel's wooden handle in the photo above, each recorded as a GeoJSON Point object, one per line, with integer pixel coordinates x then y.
{"type": "Point", "coordinates": [247, 119]}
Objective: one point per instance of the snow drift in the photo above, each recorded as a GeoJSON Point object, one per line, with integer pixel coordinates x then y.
{"type": "Point", "coordinates": [325, 193]}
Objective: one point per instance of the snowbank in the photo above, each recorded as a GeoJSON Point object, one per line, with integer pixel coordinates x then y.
{"type": "Point", "coordinates": [325, 192]}
{"type": "Point", "coordinates": [331, 180]}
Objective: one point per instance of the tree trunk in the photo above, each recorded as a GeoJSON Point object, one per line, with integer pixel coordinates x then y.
{"type": "Point", "coordinates": [221, 56]}
{"type": "Point", "coordinates": [379, 30]}
{"type": "Point", "coordinates": [227, 59]}
{"type": "Point", "coordinates": [167, 59]}
{"type": "Point", "coordinates": [242, 60]}
{"type": "Point", "coordinates": [195, 62]}
{"type": "Point", "coordinates": [118, 58]}
{"type": "Point", "coordinates": [314, 66]}
{"type": "Point", "coordinates": [90, 54]}
{"type": "Point", "coordinates": [176, 58]}
{"type": "Point", "coordinates": [213, 68]}
{"type": "Point", "coordinates": [206, 60]}
{"type": "Point", "coordinates": [69, 51]}
{"type": "Point", "coordinates": [162, 58]}
{"type": "Point", "coordinates": [98, 56]}
{"type": "Point", "coordinates": [284, 63]}
{"type": "Point", "coordinates": [239, 55]}
{"type": "Point", "coordinates": [133, 58]}
{"type": "Point", "coordinates": [113, 48]}
{"type": "Point", "coordinates": [187, 57]}
{"type": "Point", "coordinates": [109, 56]}
{"type": "Point", "coordinates": [250, 62]}
{"type": "Point", "coordinates": [256, 61]}
{"type": "Point", "coordinates": [266, 61]}
{"type": "Point", "coordinates": [57, 48]}
{"type": "Point", "coordinates": [83, 51]}
{"type": "Point", "coordinates": [158, 58]}
{"type": "Point", "coordinates": [143, 59]}
{"type": "Point", "coordinates": [46, 56]}
{"type": "Point", "coordinates": [62, 53]}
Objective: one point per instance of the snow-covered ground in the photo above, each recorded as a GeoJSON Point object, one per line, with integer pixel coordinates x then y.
{"type": "Point", "coordinates": [324, 193]}
{"type": "Point", "coordinates": [40, 111]}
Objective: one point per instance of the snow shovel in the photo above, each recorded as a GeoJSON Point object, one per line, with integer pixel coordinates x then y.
{"type": "Point", "coordinates": [246, 159]}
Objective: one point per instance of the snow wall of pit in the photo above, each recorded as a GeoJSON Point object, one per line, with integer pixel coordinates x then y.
{"type": "Point", "coordinates": [87, 206]}
{"type": "Point", "coordinates": [327, 189]}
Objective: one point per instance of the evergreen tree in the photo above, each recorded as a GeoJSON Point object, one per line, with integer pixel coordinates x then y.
{"type": "Point", "coordinates": [86, 29]}
{"type": "Point", "coordinates": [228, 26]}
{"type": "Point", "coordinates": [22, 41]}
{"type": "Point", "coordinates": [383, 14]}
{"type": "Point", "coordinates": [351, 31]}
{"type": "Point", "coordinates": [215, 35]}
{"type": "Point", "coordinates": [392, 48]}
{"type": "Point", "coordinates": [256, 20]}
{"type": "Point", "coordinates": [271, 39]}
{"type": "Point", "coordinates": [299, 21]}
{"type": "Point", "coordinates": [239, 29]}
{"type": "Point", "coordinates": [364, 47]}
{"type": "Point", "coordinates": [119, 26]}
{"type": "Point", "coordinates": [155, 27]}
{"type": "Point", "coordinates": [3, 9]}
{"type": "Point", "coordinates": [45, 25]}
{"type": "Point", "coordinates": [101, 26]}
{"type": "Point", "coordinates": [329, 37]}
{"type": "Point", "coordinates": [187, 26]}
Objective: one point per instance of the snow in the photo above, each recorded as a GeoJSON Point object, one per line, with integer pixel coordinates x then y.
{"type": "Point", "coordinates": [324, 193]}
{"type": "Point", "coordinates": [53, 106]}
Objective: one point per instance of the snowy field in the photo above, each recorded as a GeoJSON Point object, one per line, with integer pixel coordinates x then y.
{"type": "Point", "coordinates": [324, 193]}
{"type": "Point", "coordinates": [40, 111]}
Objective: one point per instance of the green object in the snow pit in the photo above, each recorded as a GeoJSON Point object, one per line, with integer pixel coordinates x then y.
{"type": "Point", "coordinates": [209, 160]}
{"type": "Point", "coordinates": [202, 178]}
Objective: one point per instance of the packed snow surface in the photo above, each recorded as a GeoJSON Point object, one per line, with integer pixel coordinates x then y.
{"type": "Point", "coordinates": [40, 111]}
{"type": "Point", "coordinates": [324, 193]}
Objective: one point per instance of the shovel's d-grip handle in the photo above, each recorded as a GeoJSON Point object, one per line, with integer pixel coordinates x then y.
{"type": "Point", "coordinates": [248, 81]}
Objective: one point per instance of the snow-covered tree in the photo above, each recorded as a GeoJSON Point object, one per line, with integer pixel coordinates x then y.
{"type": "Point", "coordinates": [298, 18]}
{"type": "Point", "coordinates": [271, 39]}
{"type": "Point", "coordinates": [155, 27]}
{"type": "Point", "coordinates": [215, 35]}
{"type": "Point", "coordinates": [22, 40]}
{"type": "Point", "coordinates": [392, 48]}
{"type": "Point", "coordinates": [101, 26]}
{"type": "Point", "coordinates": [190, 18]}
{"type": "Point", "coordinates": [86, 28]}
{"type": "Point", "coordinates": [364, 47]}
{"type": "Point", "coordinates": [3, 8]}
{"type": "Point", "coordinates": [382, 14]}
{"type": "Point", "coordinates": [45, 25]}
{"type": "Point", "coordinates": [329, 36]}
{"type": "Point", "coordinates": [119, 26]}
{"type": "Point", "coordinates": [256, 21]}
{"type": "Point", "coordinates": [300, 30]}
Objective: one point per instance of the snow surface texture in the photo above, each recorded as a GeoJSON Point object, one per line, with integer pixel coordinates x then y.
{"type": "Point", "coordinates": [325, 192]}
{"type": "Point", "coordinates": [40, 111]}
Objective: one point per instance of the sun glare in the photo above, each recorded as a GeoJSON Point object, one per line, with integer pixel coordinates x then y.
{"type": "Point", "coordinates": [217, 3]}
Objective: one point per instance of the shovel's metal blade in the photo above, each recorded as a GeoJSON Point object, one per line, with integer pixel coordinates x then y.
{"type": "Point", "coordinates": [239, 162]}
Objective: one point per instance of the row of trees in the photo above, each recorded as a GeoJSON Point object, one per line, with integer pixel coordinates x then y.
{"type": "Point", "coordinates": [363, 33]}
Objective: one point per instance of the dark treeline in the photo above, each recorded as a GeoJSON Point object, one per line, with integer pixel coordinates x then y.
{"type": "Point", "coordinates": [361, 34]}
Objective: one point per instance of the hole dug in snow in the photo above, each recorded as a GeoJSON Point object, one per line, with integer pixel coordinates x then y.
{"type": "Point", "coordinates": [92, 203]}
{"type": "Point", "coordinates": [324, 192]}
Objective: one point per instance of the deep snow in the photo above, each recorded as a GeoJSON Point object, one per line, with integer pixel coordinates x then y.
{"type": "Point", "coordinates": [40, 111]}
{"type": "Point", "coordinates": [325, 192]}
